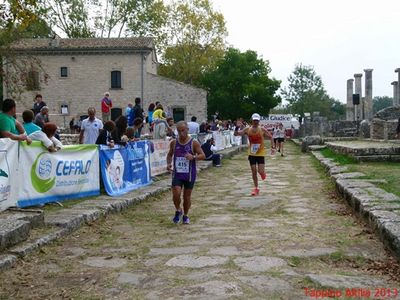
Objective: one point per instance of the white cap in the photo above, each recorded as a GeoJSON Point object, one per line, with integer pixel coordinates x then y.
{"type": "Point", "coordinates": [256, 117]}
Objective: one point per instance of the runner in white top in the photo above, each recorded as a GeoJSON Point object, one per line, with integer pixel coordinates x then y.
{"type": "Point", "coordinates": [90, 128]}
{"type": "Point", "coordinates": [280, 134]}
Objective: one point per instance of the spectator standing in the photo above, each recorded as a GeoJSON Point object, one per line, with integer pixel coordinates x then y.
{"type": "Point", "coordinates": [208, 148]}
{"type": "Point", "coordinates": [90, 128]}
{"type": "Point", "coordinates": [42, 117]}
{"type": "Point", "coordinates": [194, 127]}
{"type": "Point", "coordinates": [39, 103]}
{"type": "Point", "coordinates": [9, 126]}
{"type": "Point", "coordinates": [106, 105]}
{"type": "Point", "coordinates": [150, 112]}
{"type": "Point", "coordinates": [136, 111]}
{"type": "Point", "coordinates": [161, 129]}
{"type": "Point", "coordinates": [128, 111]}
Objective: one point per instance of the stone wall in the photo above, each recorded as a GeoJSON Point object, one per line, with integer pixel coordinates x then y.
{"type": "Point", "coordinates": [69, 139]}
{"type": "Point", "coordinates": [174, 94]}
{"type": "Point", "coordinates": [384, 123]}
{"type": "Point", "coordinates": [389, 113]}
{"type": "Point", "coordinates": [383, 130]}
{"type": "Point", "coordinates": [326, 128]}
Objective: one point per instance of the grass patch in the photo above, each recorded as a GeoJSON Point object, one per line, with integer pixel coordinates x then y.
{"type": "Point", "coordinates": [338, 158]}
{"type": "Point", "coordinates": [294, 261]}
{"type": "Point", "coordinates": [387, 171]}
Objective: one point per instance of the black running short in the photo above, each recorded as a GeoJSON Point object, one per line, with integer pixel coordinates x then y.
{"type": "Point", "coordinates": [178, 182]}
{"type": "Point", "coordinates": [281, 140]}
{"type": "Point", "coordinates": [254, 160]}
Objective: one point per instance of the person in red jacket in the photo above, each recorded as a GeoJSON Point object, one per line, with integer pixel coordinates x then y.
{"type": "Point", "coordinates": [106, 105]}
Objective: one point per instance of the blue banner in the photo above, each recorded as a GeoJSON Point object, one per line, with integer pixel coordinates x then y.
{"type": "Point", "coordinates": [124, 169]}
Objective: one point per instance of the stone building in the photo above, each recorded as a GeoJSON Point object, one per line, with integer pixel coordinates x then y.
{"type": "Point", "coordinates": [75, 73]}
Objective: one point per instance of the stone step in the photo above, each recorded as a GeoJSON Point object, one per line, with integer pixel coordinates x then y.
{"type": "Point", "coordinates": [395, 157]}
{"type": "Point", "coordinates": [16, 224]}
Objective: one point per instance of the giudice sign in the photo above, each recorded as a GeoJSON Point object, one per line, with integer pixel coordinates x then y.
{"type": "Point", "coordinates": [287, 120]}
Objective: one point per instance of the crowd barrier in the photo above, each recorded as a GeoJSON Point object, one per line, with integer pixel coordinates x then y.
{"type": "Point", "coordinates": [30, 175]}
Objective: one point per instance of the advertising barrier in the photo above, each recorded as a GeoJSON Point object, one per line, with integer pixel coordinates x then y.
{"type": "Point", "coordinates": [158, 157]}
{"type": "Point", "coordinates": [8, 173]}
{"type": "Point", "coordinates": [124, 169]}
{"type": "Point", "coordinates": [70, 173]}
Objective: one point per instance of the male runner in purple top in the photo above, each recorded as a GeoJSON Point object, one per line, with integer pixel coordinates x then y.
{"type": "Point", "coordinates": [183, 152]}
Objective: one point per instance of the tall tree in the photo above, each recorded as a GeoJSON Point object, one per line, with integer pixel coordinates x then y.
{"type": "Point", "coordinates": [379, 103]}
{"type": "Point", "coordinates": [240, 85]}
{"type": "Point", "coordinates": [306, 93]}
{"type": "Point", "coordinates": [18, 19]}
{"type": "Point", "coordinates": [71, 17]}
{"type": "Point", "coordinates": [195, 40]}
{"type": "Point", "coordinates": [116, 18]}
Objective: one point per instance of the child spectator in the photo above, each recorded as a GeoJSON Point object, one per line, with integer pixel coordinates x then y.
{"type": "Point", "coordinates": [45, 135]}
{"type": "Point", "coordinates": [133, 133]}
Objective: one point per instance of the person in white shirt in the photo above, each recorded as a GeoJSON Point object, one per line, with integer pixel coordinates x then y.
{"type": "Point", "coordinates": [280, 134]}
{"type": "Point", "coordinates": [194, 127]}
{"type": "Point", "coordinates": [90, 128]}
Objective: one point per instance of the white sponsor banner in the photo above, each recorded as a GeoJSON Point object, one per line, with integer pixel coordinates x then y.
{"type": "Point", "coordinates": [219, 140]}
{"type": "Point", "coordinates": [227, 137]}
{"type": "Point", "coordinates": [158, 157]}
{"type": "Point", "coordinates": [235, 140]}
{"type": "Point", "coordinates": [8, 173]}
{"type": "Point", "coordinates": [70, 173]}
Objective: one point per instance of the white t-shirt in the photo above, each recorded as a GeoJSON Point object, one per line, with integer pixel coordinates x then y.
{"type": "Point", "coordinates": [91, 130]}
{"type": "Point", "coordinates": [194, 128]}
{"type": "Point", "coordinates": [280, 133]}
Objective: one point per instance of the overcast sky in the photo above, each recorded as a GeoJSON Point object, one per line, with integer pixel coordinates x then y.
{"type": "Point", "coordinates": [337, 37]}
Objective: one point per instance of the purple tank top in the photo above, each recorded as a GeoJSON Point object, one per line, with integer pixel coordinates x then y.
{"type": "Point", "coordinates": [184, 169]}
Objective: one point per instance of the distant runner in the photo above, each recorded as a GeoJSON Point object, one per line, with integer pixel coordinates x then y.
{"type": "Point", "coordinates": [184, 151]}
{"type": "Point", "coordinates": [256, 135]}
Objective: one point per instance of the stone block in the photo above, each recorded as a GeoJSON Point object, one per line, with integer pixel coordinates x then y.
{"type": "Point", "coordinates": [34, 217]}
{"type": "Point", "coordinates": [7, 261]}
{"type": "Point", "coordinates": [29, 247]}
{"type": "Point", "coordinates": [13, 232]}
{"type": "Point", "coordinates": [310, 140]}
{"type": "Point", "coordinates": [65, 219]}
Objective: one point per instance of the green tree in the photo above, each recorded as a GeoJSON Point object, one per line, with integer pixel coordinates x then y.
{"type": "Point", "coordinates": [240, 85]}
{"type": "Point", "coordinates": [18, 19]}
{"type": "Point", "coordinates": [306, 93]}
{"type": "Point", "coordinates": [69, 16]}
{"type": "Point", "coordinates": [195, 40]}
{"type": "Point", "coordinates": [379, 103]}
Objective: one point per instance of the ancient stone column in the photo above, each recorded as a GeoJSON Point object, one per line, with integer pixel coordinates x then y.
{"type": "Point", "coordinates": [395, 93]}
{"type": "Point", "coordinates": [367, 103]}
{"type": "Point", "coordinates": [349, 104]}
{"type": "Point", "coordinates": [398, 87]}
{"type": "Point", "coordinates": [358, 90]}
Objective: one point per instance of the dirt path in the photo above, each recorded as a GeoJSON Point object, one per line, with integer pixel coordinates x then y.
{"type": "Point", "coordinates": [294, 239]}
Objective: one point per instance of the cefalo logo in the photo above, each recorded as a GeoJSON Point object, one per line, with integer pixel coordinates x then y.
{"type": "Point", "coordinates": [41, 172]}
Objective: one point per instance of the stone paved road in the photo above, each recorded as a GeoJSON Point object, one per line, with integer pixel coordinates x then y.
{"type": "Point", "coordinates": [295, 235]}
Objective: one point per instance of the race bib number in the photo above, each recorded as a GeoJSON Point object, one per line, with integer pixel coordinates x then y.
{"type": "Point", "coordinates": [182, 165]}
{"type": "Point", "coordinates": [254, 148]}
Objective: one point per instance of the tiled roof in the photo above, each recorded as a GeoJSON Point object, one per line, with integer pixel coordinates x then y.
{"type": "Point", "coordinates": [138, 43]}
